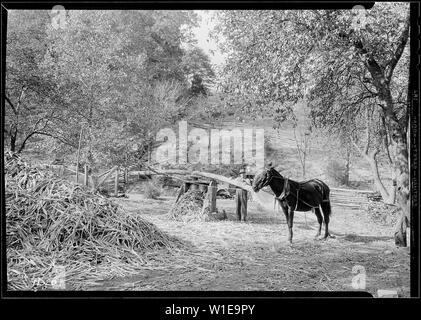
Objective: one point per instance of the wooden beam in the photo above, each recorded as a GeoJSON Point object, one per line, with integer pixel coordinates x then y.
{"type": "Point", "coordinates": [351, 190]}
{"type": "Point", "coordinates": [212, 189]}
{"type": "Point", "coordinates": [217, 177]}
{"type": "Point", "coordinates": [116, 182]}
{"type": "Point", "coordinates": [78, 156]}
{"type": "Point", "coordinates": [85, 178]}
{"type": "Point", "coordinates": [105, 177]}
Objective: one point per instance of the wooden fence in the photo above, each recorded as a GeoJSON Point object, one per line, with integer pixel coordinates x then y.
{"type": "Point", "coordinates": [352, 199]}
{"type": "Point", "coordinates": [111, 180]}
{"type": "Point", "coordinates": [116, 179]}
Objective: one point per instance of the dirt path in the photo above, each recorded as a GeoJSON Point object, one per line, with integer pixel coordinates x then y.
{"type": "Point", "coordinates": [255, 255]}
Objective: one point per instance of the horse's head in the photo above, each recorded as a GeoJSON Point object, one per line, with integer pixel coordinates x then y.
{"type": "Point", "coordinates": [263, 179]}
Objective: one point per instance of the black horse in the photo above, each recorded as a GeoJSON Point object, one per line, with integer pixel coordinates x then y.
{"type": "Point", "coordinates": [297, 196]}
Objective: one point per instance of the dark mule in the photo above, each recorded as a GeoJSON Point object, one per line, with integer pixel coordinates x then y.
{"type": "Point", "coordinates": [297, 196]}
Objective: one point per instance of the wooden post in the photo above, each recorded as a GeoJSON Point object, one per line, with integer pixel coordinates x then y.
{"type": "Point", "coordinates": [86, 175]}
{"type": "Point", "coordinates": [116, 182]}
{"type": "Point", "coordinates": [194, 186]}
{"type": "Point", "coordinates": [203, 188]}
{"type": "Point", "coordinates": [212, 196]}
{"type": "Point", "coordinates": [180, 193]}
{"type": "Point", "coordinates": [186, 186]}
{"type": "Point", "coordinates": [126, 178]}
{"type": "Point", "coordinates": [241, 204]}
{"type": "Point", "coordinates": [78, 156]}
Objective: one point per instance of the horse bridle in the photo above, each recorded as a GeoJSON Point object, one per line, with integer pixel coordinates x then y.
{"type": "Point", "coordinates": [285, 189]}
{"type": "Point", "coordinates": [272, 176]}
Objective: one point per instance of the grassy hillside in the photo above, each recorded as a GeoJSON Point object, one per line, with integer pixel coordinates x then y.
{"type": "Point", "coordinates": [279, 148]}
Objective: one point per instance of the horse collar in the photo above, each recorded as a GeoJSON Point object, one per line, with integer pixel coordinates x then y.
{"type": "Point", "coordinates": [285, 191]}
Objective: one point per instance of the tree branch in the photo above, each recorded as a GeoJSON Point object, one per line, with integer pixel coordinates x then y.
{"type": "Point", "coordinates": [11, 104]}
{"type": "Point", "coordinates": [45, 134]}
{"type": "Point", "coordinates": [402, 41]}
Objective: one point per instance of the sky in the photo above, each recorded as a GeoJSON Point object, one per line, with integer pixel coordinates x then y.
{"type": "Point", "coordinates": [202, 34]}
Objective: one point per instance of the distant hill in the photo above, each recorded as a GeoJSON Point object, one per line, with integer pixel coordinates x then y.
{"type": "Point", "coordinates": [279, 148]}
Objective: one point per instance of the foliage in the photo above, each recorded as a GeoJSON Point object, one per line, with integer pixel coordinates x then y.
{"type": "Point", "coordinates": [34, 106]}
{"type": "Point", "coordinates": [119, 76]}
{"type": "Point", "coordinates": [285, 55]}
{"type": "Point", "coordinates": [336, 172]}
{"type": "Point", "coordinates": [152, 190]}
{"type": "Point", "coordinates": [196, 65]}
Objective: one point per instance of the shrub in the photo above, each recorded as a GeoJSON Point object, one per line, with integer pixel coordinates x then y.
{"type": "Point", "coordinates": [336, 172]}
{"type": "Point", "coordinates": [152, 189]}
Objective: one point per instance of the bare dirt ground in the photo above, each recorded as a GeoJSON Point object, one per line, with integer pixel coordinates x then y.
{"type": "Point", "coordinates": [255, 255]}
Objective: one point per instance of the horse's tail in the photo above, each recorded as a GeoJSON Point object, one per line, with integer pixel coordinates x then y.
{"type": "Point", "coordinates": [327, 208]}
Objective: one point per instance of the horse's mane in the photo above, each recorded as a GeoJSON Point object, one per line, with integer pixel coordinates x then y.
{"type": "Point", "coordinates": [276, 173]}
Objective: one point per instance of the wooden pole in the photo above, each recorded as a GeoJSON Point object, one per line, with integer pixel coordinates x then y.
{"type": "Point", "coordinates": [186, 187]}
{"type": "Point", "coordinates": [194, 186]}
{"type": "Point", "coordinates": [238, 203]}
{"type": "Point", "coordinates": [116, 182]}
{"type": "Point", "coordinates": [180, 193]}
{"type": "Point", "coordinates": [212, 196]}
{"type": "Point", "coordinates": [243, 205]}
{"type": "Point", "coordinates": [104, 177]}
{"type": "Point", "coordinates": [78, 155]}
{"type": "Point", "coordinates": [86, 175]}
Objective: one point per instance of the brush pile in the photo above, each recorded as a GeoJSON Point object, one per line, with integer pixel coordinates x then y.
{"type": "Point", "coordinates": [383, 213]}
{"type": "Point", "coordinates": [193, 206]}
{"type": "Point", "coordinates": [53, 224]}
{"type": "Point", "coordinates": [189, 207]}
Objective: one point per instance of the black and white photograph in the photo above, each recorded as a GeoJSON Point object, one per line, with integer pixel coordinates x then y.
{"type": "Point", "coordinates": [210, 150]}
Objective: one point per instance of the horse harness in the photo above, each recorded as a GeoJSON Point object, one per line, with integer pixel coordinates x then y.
{"type": "Point", "coordinates": [286, 191]}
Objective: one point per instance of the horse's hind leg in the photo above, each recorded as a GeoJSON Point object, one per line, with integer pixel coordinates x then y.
{"type": "Point", "coordinates": [326, 219]}
{"type": "Point", "coordinates": [319, 220]}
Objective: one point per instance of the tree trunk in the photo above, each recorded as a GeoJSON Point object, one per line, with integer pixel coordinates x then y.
{"type": "Point", "coordinates": [403, 191]}
{"type": "Point", "coordinates": [13, 142]}
{"type": "Point", "coordinates": [348, 160]}
{"type": "Point", "coordinates": [372, 161]}
{"type": "Point", "coordinates": [381, 80]}
{"type": "Point", "coordinates": [370, 157]}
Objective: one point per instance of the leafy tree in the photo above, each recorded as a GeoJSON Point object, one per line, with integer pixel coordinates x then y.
{"type": "Point", "coordinates": [303, 132]}
{"type": "Point", "coordinates": [323, 54]}
{"type": "Point", "coordinates": [33, 103]}
{"type": "Point", "coordinates": [125, 67]}
{"type": "Point", "coordinates": [197, 67]}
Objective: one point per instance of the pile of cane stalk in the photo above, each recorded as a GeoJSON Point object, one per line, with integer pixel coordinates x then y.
{"type": "Point", "coordinates": [53, 224]}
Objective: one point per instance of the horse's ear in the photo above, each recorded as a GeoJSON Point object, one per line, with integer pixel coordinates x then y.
{"type": "Point", "coordinates": [269, 165]}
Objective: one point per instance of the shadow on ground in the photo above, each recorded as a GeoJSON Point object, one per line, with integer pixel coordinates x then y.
{"type": "Point", "coordinates": [365, 239]}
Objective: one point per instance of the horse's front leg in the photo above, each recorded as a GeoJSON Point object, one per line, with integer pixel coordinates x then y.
{"type": "Point", "coordinates": [287, 213]}
{"type": "Point", "coordinates": [290, 223]}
